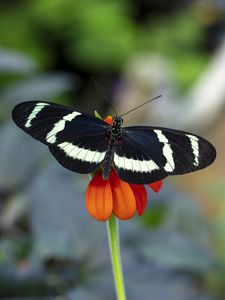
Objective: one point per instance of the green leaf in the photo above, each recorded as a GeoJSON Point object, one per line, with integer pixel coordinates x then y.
{"type": "Point", "coordinates": [98, 115]}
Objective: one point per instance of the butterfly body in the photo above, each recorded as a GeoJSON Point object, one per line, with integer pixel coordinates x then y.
{"type": "Point", "coordinates": [113, 136]}
{"type": "Point", "coordinates": [108, 160]}
{"type": "Point", "coordinates": [83, 143]}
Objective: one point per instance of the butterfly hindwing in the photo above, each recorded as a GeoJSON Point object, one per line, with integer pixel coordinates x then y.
{"type": "Point", "coordinates": [82, 155]}
{"type": "Point", "coordinates": [75, 139]}
{"type": "Point", "coordinates": [134, 164]}
{"type": "Point", "coordinates": [147, 154]}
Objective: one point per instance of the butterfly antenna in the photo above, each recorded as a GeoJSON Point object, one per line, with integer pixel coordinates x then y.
{"type": "Point", "coordinates": [104, 94]}
{"type": "Point", "coordinates": [159, 96]}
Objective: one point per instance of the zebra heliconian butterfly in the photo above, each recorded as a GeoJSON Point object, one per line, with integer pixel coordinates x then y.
{"type": "Point", "coordinates": [83, 143]}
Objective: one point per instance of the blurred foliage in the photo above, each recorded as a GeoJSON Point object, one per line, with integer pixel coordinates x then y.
{"type": "Point", "coordinates": [101, 35]}
{"type": "Point", "coordinates": [180, 39]}
{"type": "Point", "coordinates": [69, 249]}
{"type": "Point", "coordinates": [93, 34]}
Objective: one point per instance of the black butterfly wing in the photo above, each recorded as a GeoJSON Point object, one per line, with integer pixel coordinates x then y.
{"type": "Point", "coordinates": [76, 139]}
{"type": "Point", "coordinates": [147, 154]}
{"type": "Point", "coordinates": [83, 154]}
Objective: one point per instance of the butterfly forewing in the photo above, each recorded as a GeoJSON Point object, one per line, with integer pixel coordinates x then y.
{"type": "Point", "coordinates": [147, 154]}
{"type": "Point", "coordinates": [75, 139]}
{"type": "Point", "coordinates": [37, 118]}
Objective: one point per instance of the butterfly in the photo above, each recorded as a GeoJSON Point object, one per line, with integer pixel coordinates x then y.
{"type": "Point", "coordinates": [84, 143]}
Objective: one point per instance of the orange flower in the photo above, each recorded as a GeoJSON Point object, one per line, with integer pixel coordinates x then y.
{"type": "Point", "coordinates": [104, 197]}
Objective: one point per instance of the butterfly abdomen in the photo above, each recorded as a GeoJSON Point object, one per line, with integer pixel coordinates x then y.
{"type": "Point", "coordinates": [108, 159]}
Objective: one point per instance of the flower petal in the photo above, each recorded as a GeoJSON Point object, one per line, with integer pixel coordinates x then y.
{"type": "Point", "coordinates": [109, 120]}
{"type": "Point", "coordinates": [140, 195]}
{"type": "Point", "coordinates": [99, 201]}
{"type": "Point", "coordinates": [156, 186]}
{"type": "Point", "coordinates": [124, 204]}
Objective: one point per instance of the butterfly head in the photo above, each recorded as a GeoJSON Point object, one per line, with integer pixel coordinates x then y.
{"type": "Point", "coordinates": [117, 121]}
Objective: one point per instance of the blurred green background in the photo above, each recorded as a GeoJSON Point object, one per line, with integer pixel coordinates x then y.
{"type": "Point", "coordinates": [49, 246]}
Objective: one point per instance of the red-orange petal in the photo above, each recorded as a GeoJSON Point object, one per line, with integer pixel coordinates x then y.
{"type": "Point", "coordinates": [109, 120]}
{"type": "Point", "coordinates": [156, 186]}
{"type": "Point", "coordinates": [99, 201]}
{"type": "Point", "coordinates": [140, 195]}
{"type": "Point", "coordinates": [124, 204]}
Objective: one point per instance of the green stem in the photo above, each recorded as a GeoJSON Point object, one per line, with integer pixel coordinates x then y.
{"type": "Point", "coordinates": [113, 235]}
